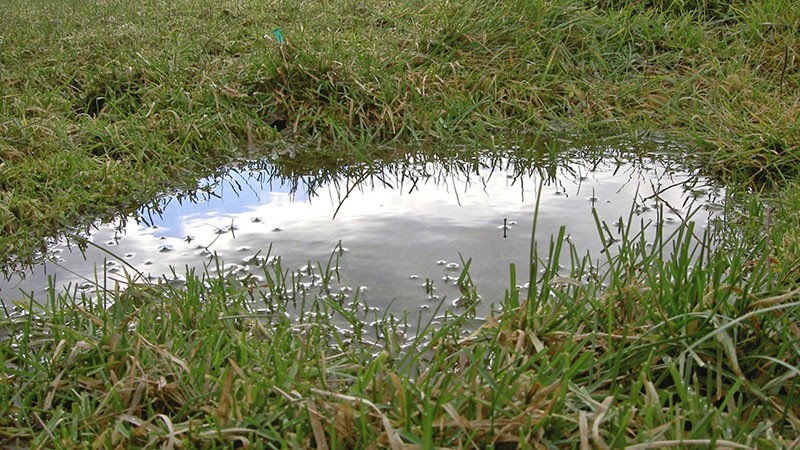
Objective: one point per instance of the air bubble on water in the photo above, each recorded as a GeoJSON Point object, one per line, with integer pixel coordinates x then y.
{"type": "Point", "coordinates": [165, 248]}
{"type": "Point", "coordinates": [256, 260]}
{"type": "Point", "coordinates": [111, 243]}
{"type": "Point", "coordinates": [414, 277]}
{"type": "Point", "coordinates": [441, 262]}
{"type": "Point", "coordinates": [129, 255]}
{"type": "Point", "coordinates": [256, 278]}
{"type": "Point", "coordinates": [243, 248]}
{"type": "Point", "coordinates": [148, 262]}
{"type": "Point", "coordinates": [256, 219]}
{"type": "Point", "coordinates": [453, 266]}
{"type": "Point", "coordinates": [277, 229]}
{"type": "Point", "coordinates": [175, 279]}
{"type": "Point", "coordinates": [424, 306]}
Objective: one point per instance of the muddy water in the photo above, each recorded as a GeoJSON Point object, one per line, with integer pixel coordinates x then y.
{"type": "Point", "coordinates": [399, 234]}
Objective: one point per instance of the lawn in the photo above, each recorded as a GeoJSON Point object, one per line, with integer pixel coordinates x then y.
{"type": "Point", "coordinates": [107, 104]}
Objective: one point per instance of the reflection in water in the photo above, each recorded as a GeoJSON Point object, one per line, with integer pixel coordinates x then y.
{"type": "Point", "coordinates": [402, 232]}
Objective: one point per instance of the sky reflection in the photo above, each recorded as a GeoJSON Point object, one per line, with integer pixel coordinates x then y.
{"type": "Point", "coordinates": [398, 222]}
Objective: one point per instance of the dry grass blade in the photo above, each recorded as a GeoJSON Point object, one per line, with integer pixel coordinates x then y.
{"type": "Point", "coordinates": [682, 443]}
{"type": "Point", "coordinates": [583, 427]}
{"type": "Point", "coordinates": [600, 415]}
{"type": "Point", "coordinates": [395, 443]}
{"type": "Point", "coordinates": [316, 426]}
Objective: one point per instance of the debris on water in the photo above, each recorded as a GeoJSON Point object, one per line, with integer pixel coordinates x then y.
{"type": "Point", "coordinates": [395, 220]}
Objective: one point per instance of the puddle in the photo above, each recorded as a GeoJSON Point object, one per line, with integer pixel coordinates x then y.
{"type": "Point", "coordinates": [398, 235]}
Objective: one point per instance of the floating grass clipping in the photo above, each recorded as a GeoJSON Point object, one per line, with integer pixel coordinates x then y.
{"type": "Point", "coordinates": [691, 341]}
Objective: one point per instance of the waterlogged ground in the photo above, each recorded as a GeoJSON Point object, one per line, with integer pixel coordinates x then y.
{"type": "Point", "coordinates": [396, 236]}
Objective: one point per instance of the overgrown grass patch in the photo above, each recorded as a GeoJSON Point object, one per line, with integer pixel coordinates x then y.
{"type": "Point", "coordinates": [693, 340]}
{"type": "Point", "coordinates": [106, 104]}
{"type": "Point", "coordinates": [145, 96]}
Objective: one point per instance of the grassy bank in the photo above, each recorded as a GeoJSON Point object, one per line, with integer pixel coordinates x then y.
{"type": "Point", "coordinates": [105, 104]}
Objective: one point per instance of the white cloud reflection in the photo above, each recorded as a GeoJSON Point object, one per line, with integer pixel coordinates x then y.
{"type": "Point", "coordinates": [397, 223]}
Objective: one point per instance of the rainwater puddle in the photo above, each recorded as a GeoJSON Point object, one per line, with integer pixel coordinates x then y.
{"type": "Point", "coordinates": [396, 236]}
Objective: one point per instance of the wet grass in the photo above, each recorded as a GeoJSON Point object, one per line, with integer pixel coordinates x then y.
{"type": "Point", "coordinates": [637, 349]}
{"type": "Point", "coordinates": [107, 103]}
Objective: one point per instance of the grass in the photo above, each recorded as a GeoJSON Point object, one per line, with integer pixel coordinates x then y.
{"type": "Point", "coordinates": [647, 348]}
{"type": "Point", "coordinates": [107, 104]}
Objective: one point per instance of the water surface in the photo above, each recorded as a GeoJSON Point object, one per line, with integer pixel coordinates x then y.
{"type": "Point", "coordinates": [394, 229]}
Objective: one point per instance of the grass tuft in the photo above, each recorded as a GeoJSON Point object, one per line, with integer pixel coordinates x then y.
{"type": "Point", "coordinates": [107, 104]}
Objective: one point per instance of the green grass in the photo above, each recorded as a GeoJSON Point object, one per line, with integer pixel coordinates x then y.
{"type": "Point", "coordinates": [696, 348]}
{"type": "Point", "coordinates": [106, 104]}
